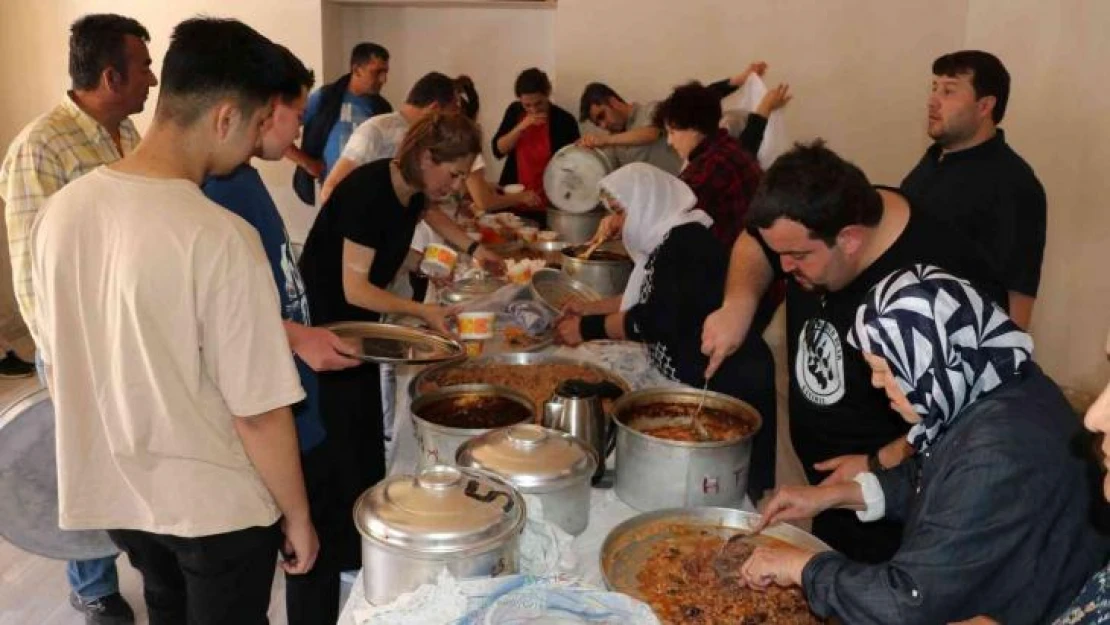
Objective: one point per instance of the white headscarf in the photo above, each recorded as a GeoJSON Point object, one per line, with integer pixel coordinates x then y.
{"type": "Point", "coordinates": [655, 203]}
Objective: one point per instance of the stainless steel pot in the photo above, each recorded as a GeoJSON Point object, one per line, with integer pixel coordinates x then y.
{"type": "Point", "coordinates": [439, 443]}
{"type": "Point", "coordinates": [654, 473]}
{"type": "Point", "coordinates": [413, 527]}
{"type": "Point", "coordinates": [607, 277]}
{"type": "Point", "coordinates": [554, 466]}
{"type": "Point", "coordinates": [574, 228]}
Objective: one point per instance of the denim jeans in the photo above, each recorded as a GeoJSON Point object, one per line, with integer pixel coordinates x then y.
{"type": "Point", "coordinates": [90, 579]}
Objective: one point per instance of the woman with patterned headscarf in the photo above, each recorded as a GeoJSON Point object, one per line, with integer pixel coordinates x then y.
{"type": "Point", "coordinates": [994, 502]}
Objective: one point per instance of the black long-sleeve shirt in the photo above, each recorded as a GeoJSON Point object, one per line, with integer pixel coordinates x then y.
{"type": "Point", "coordinates": [996, 522]}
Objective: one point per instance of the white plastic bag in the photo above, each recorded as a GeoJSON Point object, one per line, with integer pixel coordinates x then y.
{"type": "Point", "coordinates": [775, 139]}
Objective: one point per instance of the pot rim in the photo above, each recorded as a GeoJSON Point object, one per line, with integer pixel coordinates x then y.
{"type": "Point", "coordinates": [463, 389]}
{"type": "Point", "coordinates": [456, 553]}
{"type": "Point", "coordinates": [661, 394]}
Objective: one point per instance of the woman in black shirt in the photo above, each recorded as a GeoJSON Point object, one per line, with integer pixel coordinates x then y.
{"type": "Point", "coordinates": [678, 279]}
{"type": "Point", "coordinates": [354, 250]}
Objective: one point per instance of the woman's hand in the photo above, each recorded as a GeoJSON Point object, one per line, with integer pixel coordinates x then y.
{"type": "Point", "coordinates": [436, 317]}
{"type": "Point", "coordinates": [780, 565]}
{"type": "Point", "coordinates": [526, 198]}
{"type": "Point", "coordinates": [793, 503]}
{"type": "Point", "coordinates": [568, 330]}
{"type": "Point", "coordinates": [843, 468]}
{"type": "Point", "coordinates": [609, 228]}
{"type": "Point", "coordinates": [978, 620]}
{"type": "Point", "coordinates": [774, 99]}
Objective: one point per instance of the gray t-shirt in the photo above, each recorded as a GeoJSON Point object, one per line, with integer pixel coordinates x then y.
{"type": "Point", "coordinates": [657, 152]}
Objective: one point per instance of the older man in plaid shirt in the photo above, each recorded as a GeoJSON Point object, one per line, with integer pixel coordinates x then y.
{"type": "Point", "coordinates": [110, 69]}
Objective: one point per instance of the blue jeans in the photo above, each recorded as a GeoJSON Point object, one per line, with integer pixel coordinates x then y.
{"type": "Point", "coordinates": [90, 579]}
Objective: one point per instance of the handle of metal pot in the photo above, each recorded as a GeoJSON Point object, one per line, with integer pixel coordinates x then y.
{"type": "Point", "coordinates": [610, 440]}
{"type": "Point", "coordinates": [472, 492]}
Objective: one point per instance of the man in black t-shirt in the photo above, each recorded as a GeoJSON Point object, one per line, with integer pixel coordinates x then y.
{"type": "Point", "coordinates": [817, 219]}
{"type": "Point", "coordinates": [972, 179]}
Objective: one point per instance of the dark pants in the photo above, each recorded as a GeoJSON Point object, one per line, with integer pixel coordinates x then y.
{"type": "Point", "coordinates": [223, 579]}
{"type": "Point", "coordinates": [351, 406]}
{"type": "Point", "coordinates": [313, 598]}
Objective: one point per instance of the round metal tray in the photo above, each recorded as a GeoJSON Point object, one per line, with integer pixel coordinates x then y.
{"type": "Point", "coordinates": [396, 344]}
{"type": "Point", "coordinates": [629, 544]}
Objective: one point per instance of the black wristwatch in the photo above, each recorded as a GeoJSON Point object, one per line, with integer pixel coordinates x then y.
{"type": "Point", "coordinates": [470, 249]}
{"type": "Point", "coordinates": [873, 464]}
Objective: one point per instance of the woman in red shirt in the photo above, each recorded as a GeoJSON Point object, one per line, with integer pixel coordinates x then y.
{"type": "Point", "coordinates": [532, 130]}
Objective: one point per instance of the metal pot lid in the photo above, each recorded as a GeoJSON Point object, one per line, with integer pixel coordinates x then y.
{"type": "Point", "coordinates": [440, 510]}
{"type": "Point", "coordinates": [571, 178]}
{"type": "Point", "coordinates": [535, 459]}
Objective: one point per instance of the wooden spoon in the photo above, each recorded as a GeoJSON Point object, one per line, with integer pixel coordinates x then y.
{"type": "Point", "coordinates": [695, 422]}
{"type": "Point", "coordinates": [590, 249]}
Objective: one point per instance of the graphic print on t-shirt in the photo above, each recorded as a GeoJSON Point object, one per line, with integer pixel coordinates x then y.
{"type": "Point", "coordinates": [295, 302]}
{"type": "Point", "coordinates": [819, 366]}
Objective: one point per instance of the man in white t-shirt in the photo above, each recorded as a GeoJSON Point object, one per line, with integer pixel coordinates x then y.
{"type": "Point", "coordinates": [380, 136]}
{"type": "Point", "coordinates": [163, 346]}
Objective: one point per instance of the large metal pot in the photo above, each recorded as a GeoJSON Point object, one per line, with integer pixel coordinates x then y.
{"type": "Point", "coordinates": [607, 276]}
{"type": "Point", "coordinates": [574, 228]}
{"type": "Point", "coordinates": [413, 527]}
{"type": "Point", "coordinates": [439, 443]}
{"type": "Point", "coordinates": [553, 465]}
{"type": "Point", "coordinates": [655, 473]}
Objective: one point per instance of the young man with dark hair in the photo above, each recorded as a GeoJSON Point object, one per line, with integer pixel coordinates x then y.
{"type": "Point", "coordinates": [380, 136]}
{"type": "Point", "coordinates": [334, 111]}
{"type": "Point", "coordinates": [817, 219]}
{"type": "Point", "coordinates": [110, 78]}
{"type": "Point", "coordinates": [971, 178]}
{"type": "Point", "coordinates": [313, 597]}
{"type": "Point", "coordinates": [160, 304]}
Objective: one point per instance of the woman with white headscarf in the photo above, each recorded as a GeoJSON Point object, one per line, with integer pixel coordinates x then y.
{"type": "Point", "coordinates": [678, 279]}
{"type": "Point", "coordinates": [995, 502]}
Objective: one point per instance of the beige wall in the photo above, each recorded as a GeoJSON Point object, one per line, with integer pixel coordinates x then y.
{"type": "Point", "coordinates": [1058, 120]}
{"type": "Point", "coordinates": [491, 45]}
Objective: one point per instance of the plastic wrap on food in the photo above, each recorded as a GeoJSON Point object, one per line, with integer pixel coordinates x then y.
{"type": "Point", "coordinates": [532, 316]}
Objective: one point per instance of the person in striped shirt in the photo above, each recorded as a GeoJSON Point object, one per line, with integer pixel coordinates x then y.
{"type": "Point", "coordinates": [110, 70]}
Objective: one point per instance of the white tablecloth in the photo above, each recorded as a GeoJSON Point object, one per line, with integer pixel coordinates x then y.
{"type": "Point", "coordinates": [606, 511]}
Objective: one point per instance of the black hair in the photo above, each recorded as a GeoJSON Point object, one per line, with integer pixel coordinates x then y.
{"type": "Point", "coordinates": [689, 107]}
{"type": "Point", "coordinates": [813, 186]}
{"type": "Point", "coordinates": [296, 73]}
{"type": "Point", "coordinates": [468, 96]}
{"type": "Point", "coordinates": [209, 59]}
{"type": "Point", "coordinates": [97, 42]}
{"type": "Point", "coordinates": [433, 88]}
{"type": "Point", "coordinates": [532, 80]}
{"type": "Point", "coordinates": [595, 94]}
{"type": "Point", "coordinates": [362, 53]}
{"type": "Point", "coordinates": [988, 76]}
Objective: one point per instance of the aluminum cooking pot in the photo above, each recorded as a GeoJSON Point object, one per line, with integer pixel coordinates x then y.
{"type": "Point", "coordinates": [655, 473]}
{"type": "Point", "coordinates": [552, 465]}
{"type": "Point", "coordinates": [606, 276]}
{"type": "Point", "coordinates": [439, 443]}
{"type": "Point", "coordinates": [412, 527]}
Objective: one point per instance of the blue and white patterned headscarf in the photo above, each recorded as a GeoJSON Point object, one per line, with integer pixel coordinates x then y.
{"type": "Point", "coordinates": [945, 343]}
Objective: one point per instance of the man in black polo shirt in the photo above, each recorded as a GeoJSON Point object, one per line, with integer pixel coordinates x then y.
{"type": "Point", "coordinates": [971, 178]}
{"type": "Point", "coordinates": [817, 219]}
